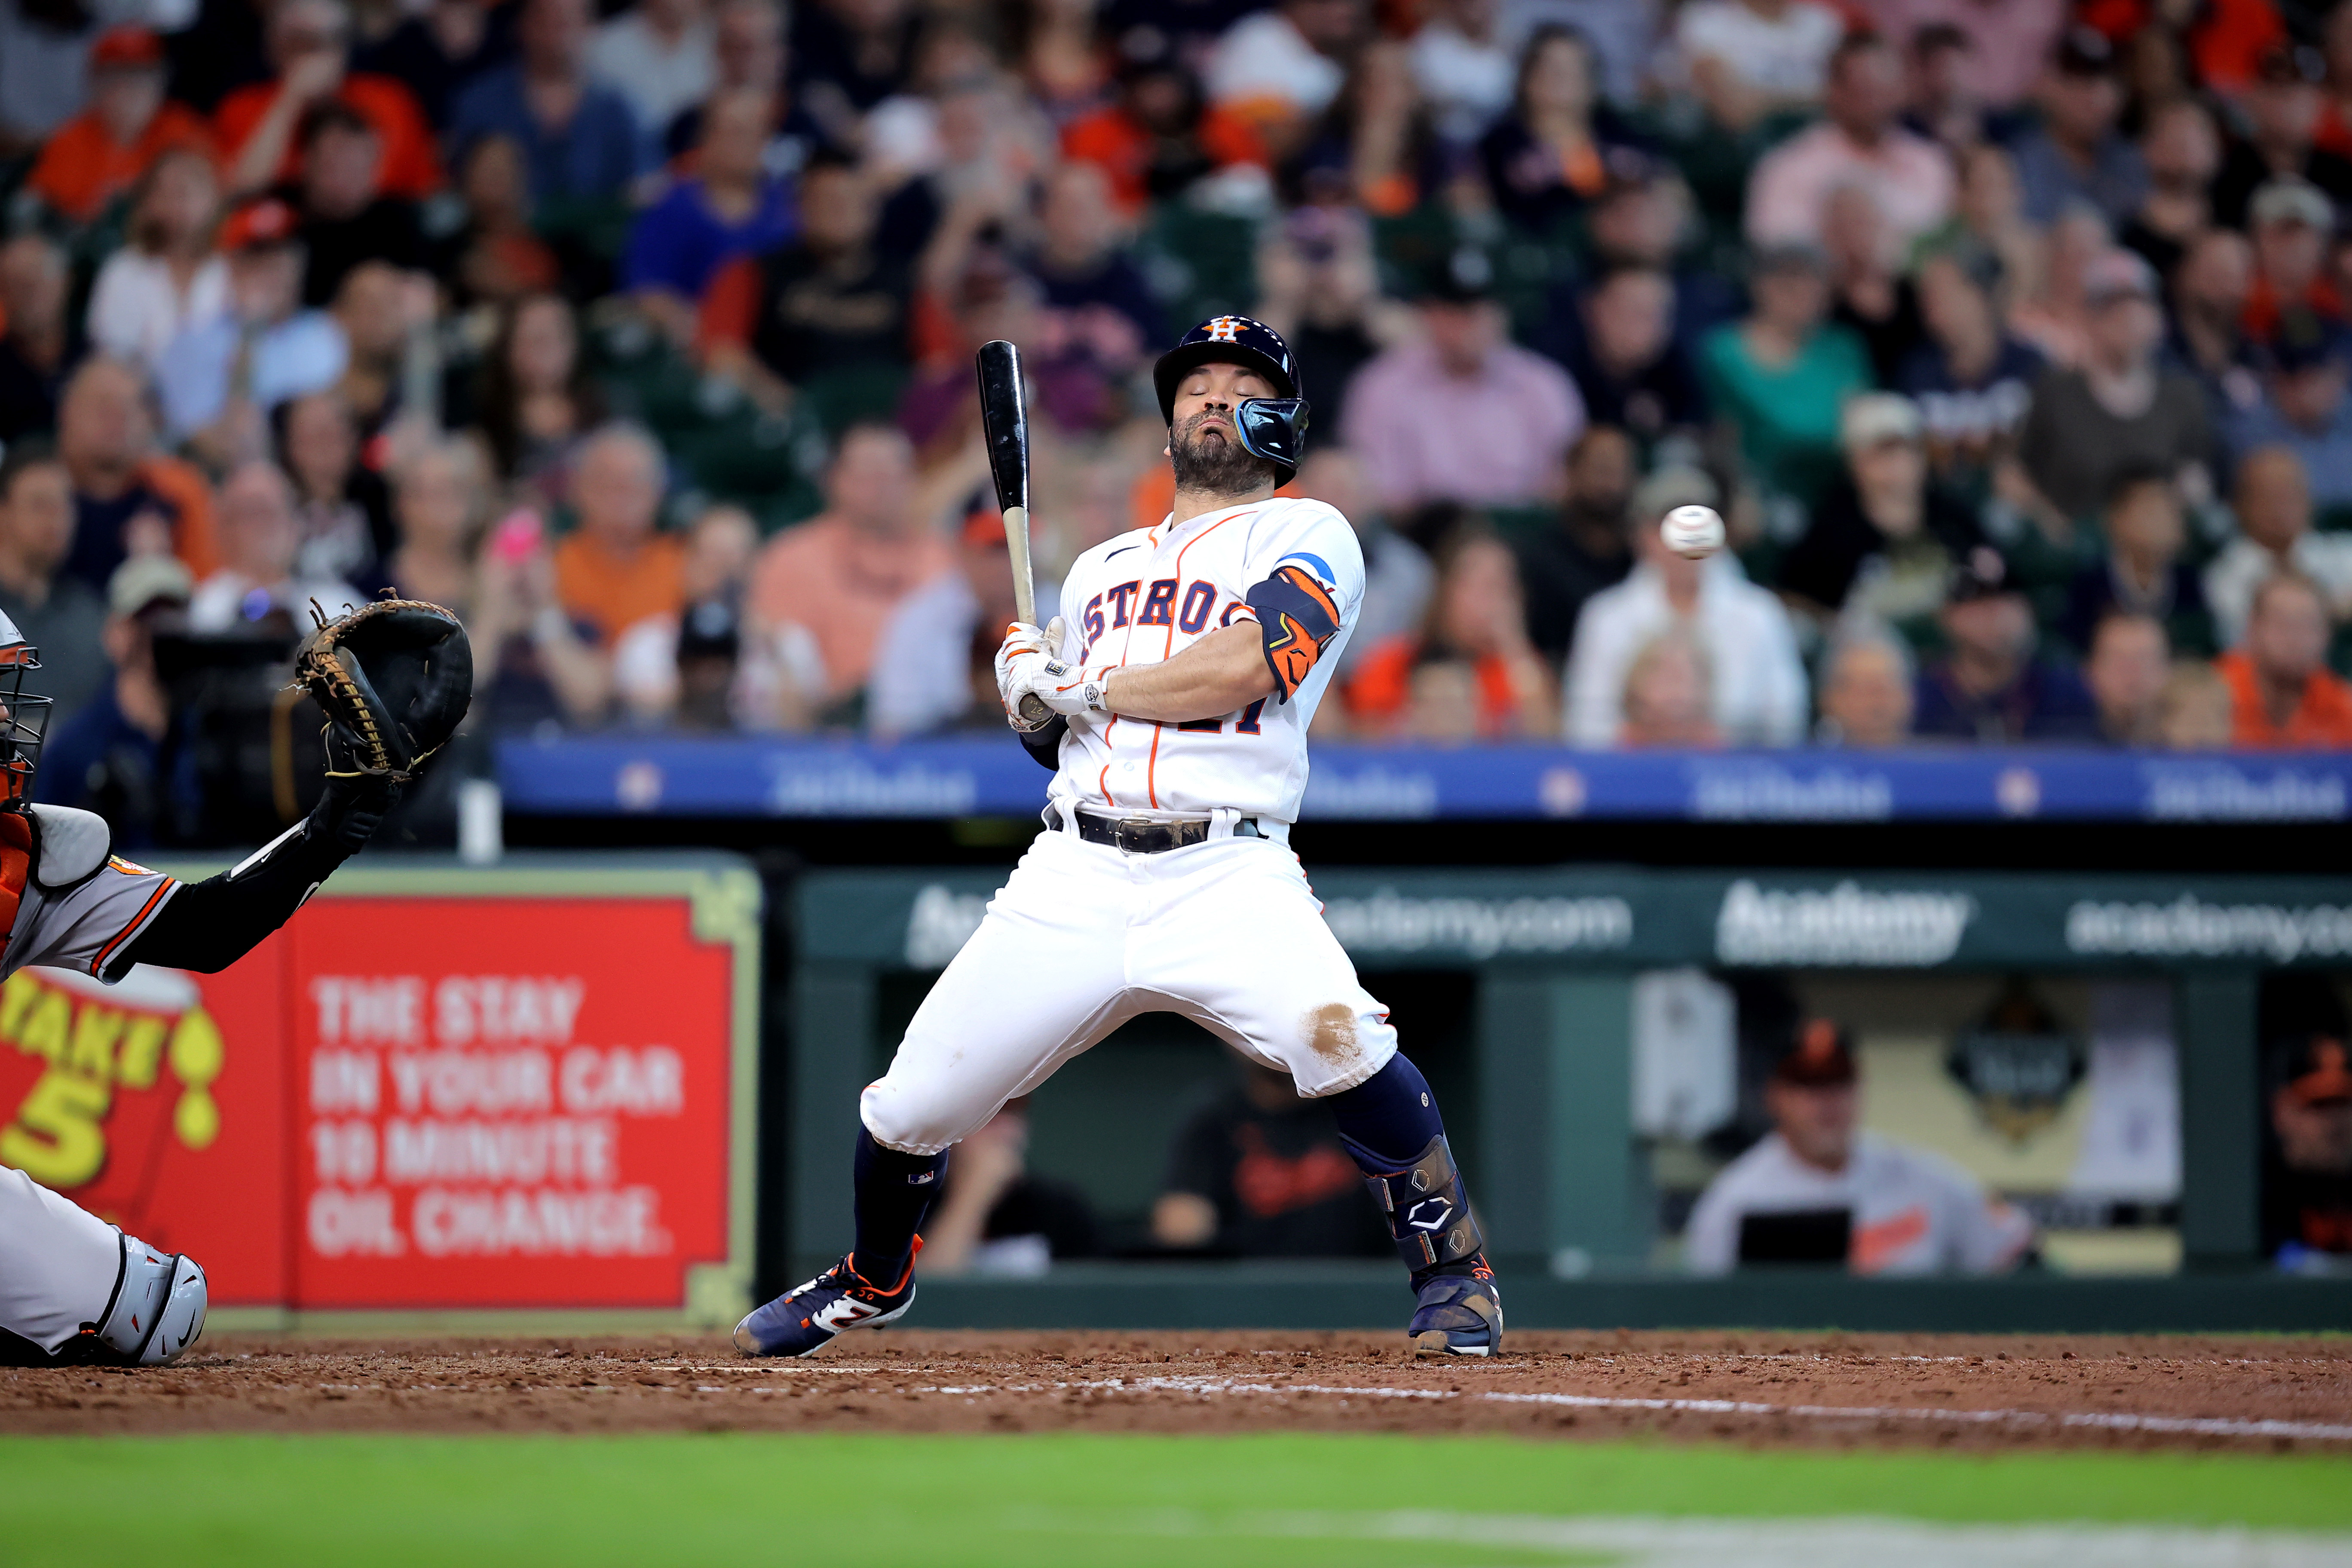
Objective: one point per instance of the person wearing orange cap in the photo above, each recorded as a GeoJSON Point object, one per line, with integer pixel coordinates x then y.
{"type": "Point", "coordinates": [934, 663]}
{"type": "Point", "coordinates": [102, 152]}
{"type": "Point", "coordinates": [2307, 1189]}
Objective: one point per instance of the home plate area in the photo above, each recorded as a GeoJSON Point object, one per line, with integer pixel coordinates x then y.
{"type": "Point", "coordinates": [1952, 1392]}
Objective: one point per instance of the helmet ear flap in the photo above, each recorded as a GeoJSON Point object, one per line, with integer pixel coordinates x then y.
{"type": "Point", "coordinates": [1274, 428]}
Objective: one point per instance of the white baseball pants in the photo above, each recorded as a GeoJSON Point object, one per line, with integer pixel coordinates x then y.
{"type": "Point", "coordinates": [1085, 937]}
{"type": "Point", "coordinates": [58, 1262]}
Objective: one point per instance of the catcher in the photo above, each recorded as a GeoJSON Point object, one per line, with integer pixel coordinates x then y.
{"type": "Point", "coordinates": [394, 680]}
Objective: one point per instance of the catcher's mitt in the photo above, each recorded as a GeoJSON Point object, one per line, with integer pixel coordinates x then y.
{"type": "Point", "coordinates": [394, 678]}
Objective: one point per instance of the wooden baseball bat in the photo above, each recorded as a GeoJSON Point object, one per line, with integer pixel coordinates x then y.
{"type": "Point", "coordinates": [1004, 425]}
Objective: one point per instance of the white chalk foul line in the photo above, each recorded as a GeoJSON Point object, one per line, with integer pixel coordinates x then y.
{"type": "Point", "coordinates": [2194, 1426]}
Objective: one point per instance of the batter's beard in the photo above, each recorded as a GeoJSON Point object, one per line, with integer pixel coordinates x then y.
{"type": "Point", "coordinates": [1224, 468]}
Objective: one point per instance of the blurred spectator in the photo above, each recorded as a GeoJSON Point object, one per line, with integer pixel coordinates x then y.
{"type": "Point", "coordinates": [1758, 687]}
{"type": "Point", "coordinates": [1476, 621]}
{"type": "Point", "coordinates": [1464, 67]}
{"type": "Point", "coordinates": [46, 74]}
{"type": "Point", "coordinates": [127, 496]}
{"type": "Point", "coordinates": [1779, 377]}
{"type": "Point", "coordinates": [2209, 308]}
{"type": "Point", "coordinates": [1874, 300]}
{"type": "Point", "coordinates": [344, 508]}
{"type": "Point", "coordinates": [1318, 286]}
{"type": "Point", "coordinates": [749, 49]}
{"type": "Point", "coordinates": [536, 400]}
{"type": "Point", "coordinates": [1988, 215]}
{"type": "Point", "coordinates": [106, 150]}
{"type": "Point", "coordinates": [1550, 155]}
{"type": "Point", "coordinates": [2054, 313]}
{"type": "Point", "coordinates": [257, 127]}
{"type": "Point", "coordinates": [996, 1217]}
{"type": "Point", "coordinates": [2307, 1175]}
{"type": "Point", "coordinates": [1463, 414]}
{"type": "Point", "coordinates": [346, 219]}
{"type": "Point", "coordinates": [495, 256]}
{"type": "Point", "coordinates": [1820, 1190]}
{"type": "Point", "coordinates": [934, 661]}
{"type": "Point", "coordinates": [2304, 408]}
{"type": "Point", "coordinates": [1161, 136]}
{"type": "Point", "coordinates": [2130, 661]}
{"type": "Point", "coordinates": [1669, 695]}
{"type": "Point", "coordinates": [108, 757]}
{"type": "Point", "coordinates": [1398, 577]}
{"type": "Point", "coordinates": [2281, 110]}
{"type": "Point", "coordinates": [219, 380]}
{"type": "Point", "coordinates": [534, 666]}
{"type": "Point", "coordinates": [1629, 369]}
{"type": "Point", "coordinates": [1750, 58]}
{"type": "Point", "coordinates": [62, 616]}
{"type": "Point", "coordinates": [579, 140]}
{"type": "Point", "coordinates": [1971, 381]}
{"type": "Point", "coordinates": [1989, 686]}
{"type": "Point", "coordinates": [36, 346]}
{"type": "Point", "coordinates": [2077, 153]}
{"type": "Point", "coordinates": [1094, 290]}
{"type": "Point", "coordinates": [166, 277]}
{"type": "Point", "coordinates": [1644, 219]}
{"type": "Point", "coordinates": [437, 504]}
{"type": "Point", "coordinates": [1883, 541]}
{"type": "Point", "coordinates": [1939, 105]}
{"type": "Point", "coordinates": [2274, 535]}
{"type": "Point", "coordinates": [1860, 144]}
{"type": "Point", "coordinates": [839, 576]}
{"type": "Point", "coordinates": [828, 303]}
{"type": "Point", "coordinates": [1056, 47]}
{"type": "Point", "coordinates": [2290, 222]}
{"type": "Point", "coordinates": [2143, 573]}
{"type": "Point", "coordinates": [2182, 150]}
{"type": "Point", "coordinates": [2121, 409]}
{"type": "Point", "coordinates": [258, 579]}
{"type": "Point", "coordinates": [2282, 694]}
{"type": "Point", "coordinates": [377, 308]}
{"type": "Point", "coordinates": [1562, 567]}
{"type": "Point", "coordinates": [659, 56]}
{"type": "Point", "coordinates": [2194, 709]}
{"type": "Point", "coordinates": [1259, 1172]}
{"type": "Point", "coordinates": [1287, 63]}
{"type": "Point", "coordinates": [1866, 692]}
{"type": "Point", "coordinates": [616, 568]}
{"type": "Point", "coordinates": [730, 207]}
{"type": "Point", "coordinates": [440, 46]}
{"type": "Point", "coordinates": [2005, 44]}
{"type": "Point", "coordinates": [1375, 146]}
{"type": "Point", "coordinates": [684, 666]}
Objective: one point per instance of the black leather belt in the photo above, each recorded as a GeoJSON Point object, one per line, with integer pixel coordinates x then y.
{"type": "Point", "coordinates": [1141, 836]}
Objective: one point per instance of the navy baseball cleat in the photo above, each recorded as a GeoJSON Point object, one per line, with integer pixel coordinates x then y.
{"type": "Point", "coordinates": [1459, 1314]}
{"type": "Point", "coordinates": [803, 1321]}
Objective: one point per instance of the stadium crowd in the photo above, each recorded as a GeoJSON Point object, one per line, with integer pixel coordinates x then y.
{"type": "Point", "coordinates": [2010, 336]}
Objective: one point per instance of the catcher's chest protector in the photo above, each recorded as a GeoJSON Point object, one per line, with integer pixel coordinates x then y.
{"type": "Point", "coordinates": [15, 865]}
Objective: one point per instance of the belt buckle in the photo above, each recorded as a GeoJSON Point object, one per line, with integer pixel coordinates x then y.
{"type": "Point", "coordinates": [1128, 832]}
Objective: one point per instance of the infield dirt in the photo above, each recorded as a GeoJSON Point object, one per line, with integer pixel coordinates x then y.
{"type": "Point", "coordinates": [1978, 1393]}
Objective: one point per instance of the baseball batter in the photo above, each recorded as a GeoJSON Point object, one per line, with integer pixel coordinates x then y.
{"type": "Point", "coordinates": [1180, 694]}
{"type": "Point", "coordinates": [74, 1289]}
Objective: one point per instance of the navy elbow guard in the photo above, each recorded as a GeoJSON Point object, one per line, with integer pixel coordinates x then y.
{"type": "Point", "coordinates": [1298, 616]}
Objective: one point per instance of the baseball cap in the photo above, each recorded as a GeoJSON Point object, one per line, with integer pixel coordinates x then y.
{"type": "Point", "coordinates": [1981, 573]}
{"type": "Point", "coordinates": [1877, 416]}
{"type": "Point", "coordinates": [1788, 256]}
{"type": "Point", "coordinates": [2086, 51]}
{"type": "Point", "coordinates": [2305, 340]}
{"type": "Point", "coordinates": [126, 47]}
{"type": "Point", "coordinates": [2290, 198]}
{"type": "Point", "coordinates": [2115, 274]}
{"type": "Point", "coordinates": [1819, 1053]}
{"type": "Point", "coordinates": [1670, 487]}
{"type": "Point", "coordinates": [2319, 1071]}
{"type": "Point", "coordinates": [710, 629]}
{"type": "Point", "coordinates": [143, 582]}
{"type": "Point", "coordinates": [265, 221]}
{"type": "Point", "coordinates": [1462, 277]}
{"type": "Point", "coordinates": [984, 527]}
{"type": "Point", "coordinates": [2285, 63]}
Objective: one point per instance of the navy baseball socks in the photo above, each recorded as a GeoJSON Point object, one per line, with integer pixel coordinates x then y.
{"type": "Point", "coordinates": [1389, 1124]}
{"type": "Point", "coordinates": [874, 1284]}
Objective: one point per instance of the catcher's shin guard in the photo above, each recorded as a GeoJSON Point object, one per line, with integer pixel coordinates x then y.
{"type": "Point", "coordinates": [158, 1310]}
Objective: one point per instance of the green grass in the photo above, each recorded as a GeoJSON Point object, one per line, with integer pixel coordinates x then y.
{"type": "Point", "coordinates": [945, 1502]}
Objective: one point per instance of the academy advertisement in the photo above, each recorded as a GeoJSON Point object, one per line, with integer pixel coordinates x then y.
{"type": "Point", "coordinates": [402, 1102]}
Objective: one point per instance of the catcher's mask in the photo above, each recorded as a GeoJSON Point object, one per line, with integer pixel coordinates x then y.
{"type": "Point", "coordinates": [23, 717]}
{"type": "Point", "coordinates": [1274, 428]}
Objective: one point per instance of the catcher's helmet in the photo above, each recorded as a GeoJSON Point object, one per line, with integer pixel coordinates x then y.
{"type": "Point", "coordinates": [23, 718]}
{"type": "Point", "coordinates": [1274, 428]}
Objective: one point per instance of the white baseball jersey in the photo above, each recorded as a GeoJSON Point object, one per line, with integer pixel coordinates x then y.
{"type": "Point", "coordinates": [1913, 1212]}
{"type": "Point", "coordinates": [1148, 594]}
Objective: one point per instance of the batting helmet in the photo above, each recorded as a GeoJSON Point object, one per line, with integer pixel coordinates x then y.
{"type": "Point", "coordinates": [23, 718]}
{"type": "Point", "coordinates": [1274, 428]}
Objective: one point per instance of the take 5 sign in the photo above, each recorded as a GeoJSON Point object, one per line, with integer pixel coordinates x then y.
{"type": "Point", "coordinates": [436, 1088]}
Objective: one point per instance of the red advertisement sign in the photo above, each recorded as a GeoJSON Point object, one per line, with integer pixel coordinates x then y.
{"type": "Point", "coordinates": [400, 1102]}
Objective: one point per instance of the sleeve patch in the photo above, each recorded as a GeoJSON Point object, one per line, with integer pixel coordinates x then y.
{"type": "Point", "coordinates": [1298, 617]}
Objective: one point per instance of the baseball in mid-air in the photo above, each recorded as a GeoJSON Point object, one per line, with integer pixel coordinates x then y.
{"type": "Point", "coordinates": [1695, 531]}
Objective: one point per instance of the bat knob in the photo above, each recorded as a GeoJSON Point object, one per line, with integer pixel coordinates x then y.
{"type": "Point", "coordinates": [1034, 710]}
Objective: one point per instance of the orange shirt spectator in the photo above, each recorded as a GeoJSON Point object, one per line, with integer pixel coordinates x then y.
{"type": "Point", "coordinates": [839, 576]}
{"type": "Point", "coordinates": [615, 571]}
{"type": "Point", "coordinates": [2322, 720]}
{"type": "Point", "coordinates": [1115, 139]}
{"type": "Point", "coordinates": [102, 152]}
{"type": "Point", "coordinates": [410, 166]}
{"type": "Point", "coordinates": [2282, 694]}
{"type": "Point", "coordinates": [1380, 696]}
